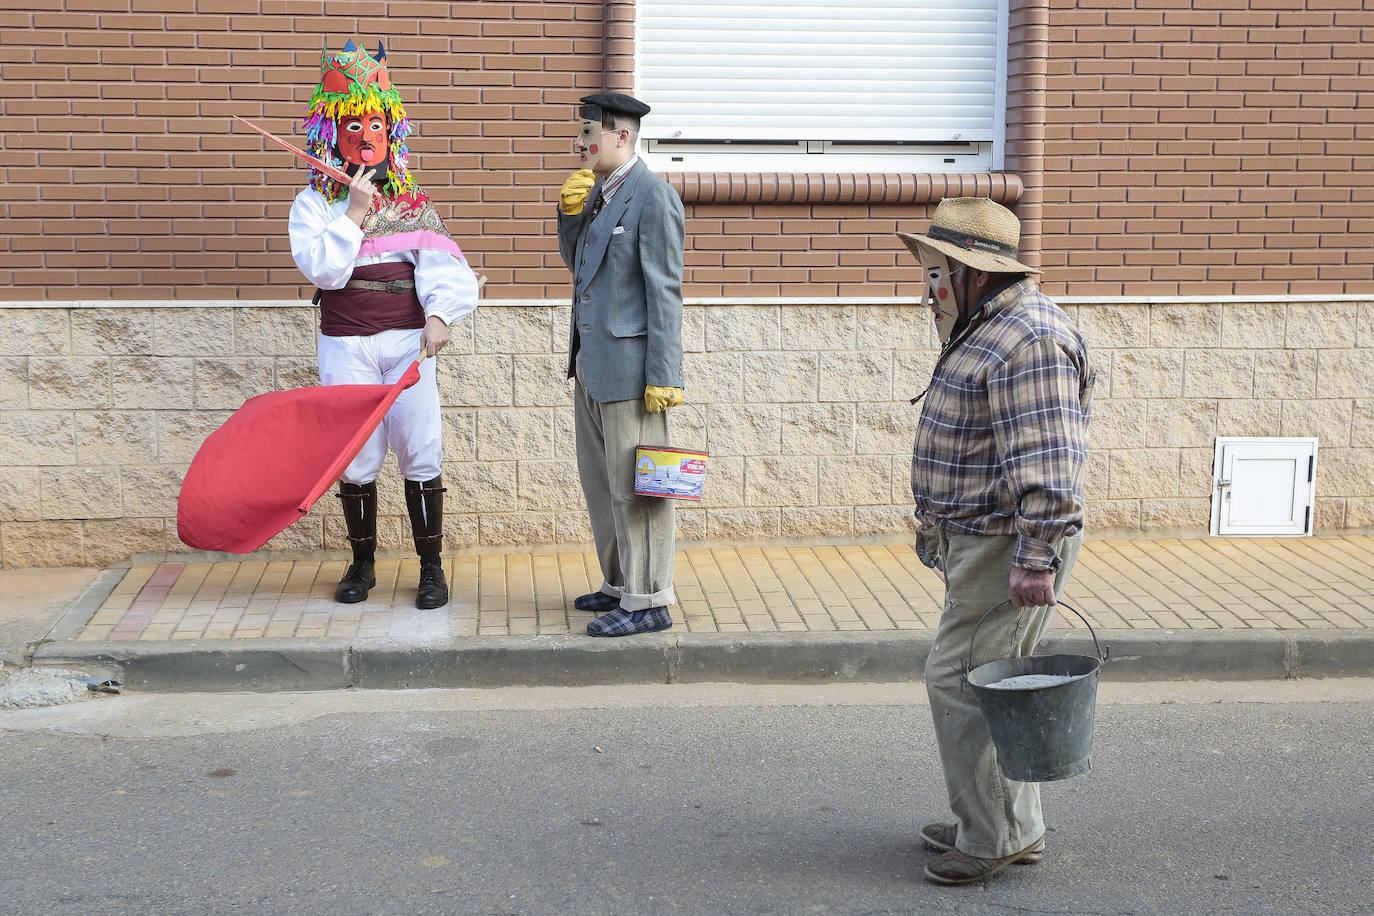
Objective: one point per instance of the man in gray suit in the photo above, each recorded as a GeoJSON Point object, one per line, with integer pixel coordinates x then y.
{"type": "Point", "coordinates": [625, 251]}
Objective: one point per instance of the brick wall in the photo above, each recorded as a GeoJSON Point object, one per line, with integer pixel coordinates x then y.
{"type": "Point", "coordinates": [125, 179]}
{"type": "Point", "coordinates": [1199, 151]}
{"type": "Point", "coordinates": [1209, 148]}
{"type": "Point", "coordinates": [1185, 153]}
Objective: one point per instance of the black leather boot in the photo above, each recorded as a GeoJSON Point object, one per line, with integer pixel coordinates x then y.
{"type": "Point", "coordinates": [360, 514]}
{"type": "Point", "coordinates": [425, 503]}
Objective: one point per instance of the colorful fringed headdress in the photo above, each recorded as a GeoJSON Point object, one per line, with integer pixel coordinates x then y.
{"type": "Point", "coordinates": [353, 83]}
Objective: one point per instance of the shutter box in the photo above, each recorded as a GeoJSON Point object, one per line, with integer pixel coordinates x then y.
{"type": "Point", "coordinates": [821, 84]}
{"type": "Point", "coordinates": [1264, 487]}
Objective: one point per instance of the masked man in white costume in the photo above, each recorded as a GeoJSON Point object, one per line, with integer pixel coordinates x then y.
{"type": "Point", "coordinates": [391, 280]}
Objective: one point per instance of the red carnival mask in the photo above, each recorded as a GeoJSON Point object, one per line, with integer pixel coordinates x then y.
{"type": "Point", "coordinates": [363, 139]}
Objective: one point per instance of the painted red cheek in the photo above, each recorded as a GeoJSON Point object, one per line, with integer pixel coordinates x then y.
{"type": "Point", "coordinates": [942, 293]}
{"type": "Point", "coordinates": [594, 149]}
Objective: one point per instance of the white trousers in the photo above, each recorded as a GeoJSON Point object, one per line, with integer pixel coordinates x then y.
{"type": "Point", "coordinates": [413, 426]}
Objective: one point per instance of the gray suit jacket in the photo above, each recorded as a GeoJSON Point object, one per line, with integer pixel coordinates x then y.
{"type": "Point", "coordinates": [627, 287]}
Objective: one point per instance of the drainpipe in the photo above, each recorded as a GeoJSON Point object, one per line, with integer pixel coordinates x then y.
{"type": "Point", "coordinates": [618, 46]}
{"type": "Point", "coordinates": [1027, 68]}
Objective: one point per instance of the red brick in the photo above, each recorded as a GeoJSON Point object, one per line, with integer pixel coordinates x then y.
{"type": "Point", "coordinates": [493, 72]}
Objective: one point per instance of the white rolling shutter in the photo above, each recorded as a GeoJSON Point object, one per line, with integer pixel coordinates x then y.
{"type": "Point", "coordinates": [875, 72]}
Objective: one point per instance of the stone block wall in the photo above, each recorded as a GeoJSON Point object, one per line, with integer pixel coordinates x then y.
{"type": "Point", "coordinates": [804, 409]}
{"type": "Point", "coordinates": [1176, 376]}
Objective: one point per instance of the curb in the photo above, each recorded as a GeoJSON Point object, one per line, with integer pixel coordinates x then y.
{"type": "Point", "coordinates": [18, 652]}
{"type": "Point", "coordinates": [758, 658]}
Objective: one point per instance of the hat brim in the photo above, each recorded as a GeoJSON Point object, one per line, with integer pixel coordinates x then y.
{"type": "Point", "coordinates": [978, 260]}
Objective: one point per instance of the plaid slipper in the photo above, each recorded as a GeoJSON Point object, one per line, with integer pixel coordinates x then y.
{"type": "Point", "coordinates": [620, 622]}
{"type": "Point", "coordinates": [596, 602]}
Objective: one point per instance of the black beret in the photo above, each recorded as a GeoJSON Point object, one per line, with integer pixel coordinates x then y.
{"type": "Point", "coordinates": [593, 105]}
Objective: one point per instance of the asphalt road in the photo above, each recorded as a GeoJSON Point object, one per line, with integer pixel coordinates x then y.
{"type": "Point", "coordinates": [1244, 797]}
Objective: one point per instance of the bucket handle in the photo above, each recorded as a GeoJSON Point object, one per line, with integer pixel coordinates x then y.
{"type": "Point", "coordinates": [705, 433]}
{"type": "Point", "coordinates": [1101, 656]}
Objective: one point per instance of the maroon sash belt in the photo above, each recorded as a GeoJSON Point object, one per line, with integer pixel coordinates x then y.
{"type": "Point", "coordinates": [350, 312]}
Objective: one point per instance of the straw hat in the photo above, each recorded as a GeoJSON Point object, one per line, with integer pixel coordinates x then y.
{"type": "Point", "coordinates": [973, 231]}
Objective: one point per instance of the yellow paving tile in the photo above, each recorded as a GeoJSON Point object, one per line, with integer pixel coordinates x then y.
{"type": "Point", "coordinates": [239, 588]}
{"type": "Point", "coordinates": [1200, 583]}
{"type": "Point", "coordinates": [134, 579]}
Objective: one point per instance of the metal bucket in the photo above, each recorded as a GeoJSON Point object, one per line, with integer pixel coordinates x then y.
{"type": "Point", "coordinates": [1041, 733]}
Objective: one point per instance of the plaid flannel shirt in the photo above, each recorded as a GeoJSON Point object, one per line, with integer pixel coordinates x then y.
{"type": "Point", "coordinates": [1003, 437]}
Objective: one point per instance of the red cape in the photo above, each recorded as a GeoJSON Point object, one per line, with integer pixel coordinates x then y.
{"type": "Point", "coordinates": [270, 461]}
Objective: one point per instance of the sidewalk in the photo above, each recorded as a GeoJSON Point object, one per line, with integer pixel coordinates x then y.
{"type": "Point", "coordinates": [1168, 608]}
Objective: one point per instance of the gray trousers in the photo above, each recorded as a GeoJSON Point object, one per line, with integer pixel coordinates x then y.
{"type": "Point", "coordinates": [997, 816]}
{"type": "Point", "coordinates": [634, 534]}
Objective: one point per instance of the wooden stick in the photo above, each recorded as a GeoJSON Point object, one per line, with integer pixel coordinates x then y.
{"type": "Point", "coordinates": [334, 172]}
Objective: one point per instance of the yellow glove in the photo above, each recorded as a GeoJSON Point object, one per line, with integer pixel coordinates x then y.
{"type": "Point", "coordinates": [657, 400]}
{"type": "Point", "coordinates": [575, 190]}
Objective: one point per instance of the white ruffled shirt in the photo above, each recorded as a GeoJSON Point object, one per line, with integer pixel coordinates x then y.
{"type": "Point", "coordinates": [325, 244]}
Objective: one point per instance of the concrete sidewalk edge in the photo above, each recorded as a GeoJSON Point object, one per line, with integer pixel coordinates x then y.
{"type": "Point", "coordinates": [83, 608]}
{"type": "Point", "coordinates": [764, 658]}
{"type": "Point", "coordinates": [33, 614]}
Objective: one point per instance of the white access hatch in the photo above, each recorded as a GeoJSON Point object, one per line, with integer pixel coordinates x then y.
{"type": "Point", "coordinates": [1264, 487]}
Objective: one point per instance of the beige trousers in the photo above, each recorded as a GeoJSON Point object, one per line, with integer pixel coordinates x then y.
{"type": "Point", "coordinates": [997, 816]}
{"type": "Point", "coordinates": [634, 534]}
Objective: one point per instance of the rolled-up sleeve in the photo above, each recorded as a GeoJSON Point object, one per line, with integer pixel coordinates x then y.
{"type": "Point", "coordinates": [1040, 424]}
{"type": "Point", "coordinates": [446, 285]}
{"type": "Point", "coordinates": [324, 243]}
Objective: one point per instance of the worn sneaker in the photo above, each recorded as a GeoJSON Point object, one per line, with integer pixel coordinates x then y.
{"type": "Point", "coordinates": [596, 602]}
{"type": "Point", "coordinates": [621, 622]}
{"type": "Point", "coordinates": [940, 837]}
{"type": "Point", "coordinates": [955, 867]}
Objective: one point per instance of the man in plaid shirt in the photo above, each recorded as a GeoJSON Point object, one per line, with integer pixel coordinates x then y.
{"type": "Point", "coordinates": [997, 473]}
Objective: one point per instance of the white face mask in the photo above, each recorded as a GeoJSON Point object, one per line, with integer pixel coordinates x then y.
{"type": "Point", "coordinates": [589, 143]}
{"type": "Point", "coordinates": [939, 291]}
